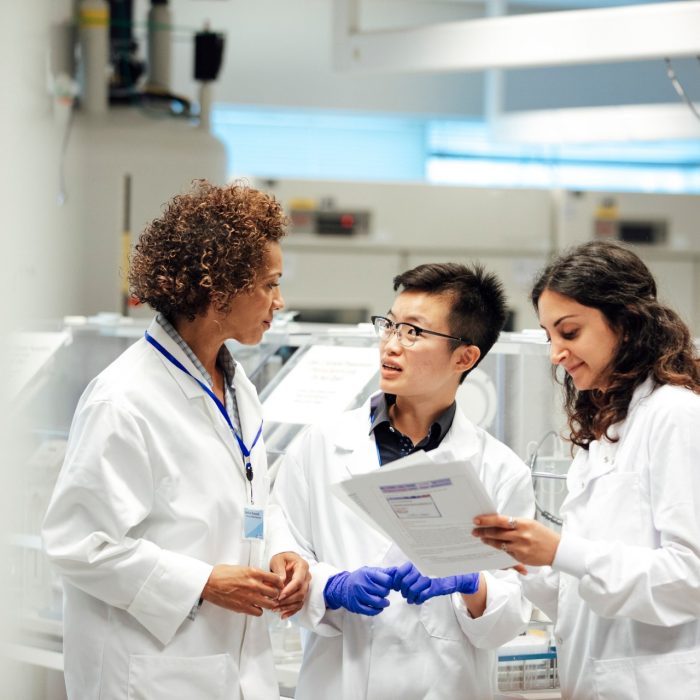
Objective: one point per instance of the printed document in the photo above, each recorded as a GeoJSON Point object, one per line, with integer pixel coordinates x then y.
{"type": "Point", "coordinates": [427, 508]}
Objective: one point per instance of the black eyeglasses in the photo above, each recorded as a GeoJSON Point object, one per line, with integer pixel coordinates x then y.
{"type": "Point", "coordinates": [407, 333]}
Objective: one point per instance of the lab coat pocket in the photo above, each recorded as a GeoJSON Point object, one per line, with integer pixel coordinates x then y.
{"type": "Point", "coordinates": [191, 677]}
{"type": "Point", "coordinates": [438, 617]}
{"type": "Point", "coordinates": [648, 677]}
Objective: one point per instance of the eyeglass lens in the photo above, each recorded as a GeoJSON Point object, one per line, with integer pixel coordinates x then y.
{"type": "Point", "coordinates": [405, 333]}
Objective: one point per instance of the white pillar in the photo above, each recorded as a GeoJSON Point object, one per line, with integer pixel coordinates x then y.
{"type": "Point", "coordinates": [205, 105]}
{"type": "Point", "coordinates": [159, 45]}
{"type": "Point", "coordinates": [93, 20]}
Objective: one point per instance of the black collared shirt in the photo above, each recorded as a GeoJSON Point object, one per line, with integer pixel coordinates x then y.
{"type": "Point", "coordinates": [392, 443]}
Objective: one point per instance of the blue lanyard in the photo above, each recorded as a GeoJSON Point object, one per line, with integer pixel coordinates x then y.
{"type": "Point", "coordinates": [222, 409]}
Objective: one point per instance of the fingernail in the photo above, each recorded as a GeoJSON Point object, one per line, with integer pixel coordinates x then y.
{"type": "Point", "coordinates": [477, 521]}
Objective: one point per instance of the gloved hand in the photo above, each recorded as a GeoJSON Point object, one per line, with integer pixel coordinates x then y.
{"type": "Point", "coordinates": [362, 591]}
{"type": "Point", "coordinates": [462, 583]}
{"type": "Point", "coordinates": [410, 582]}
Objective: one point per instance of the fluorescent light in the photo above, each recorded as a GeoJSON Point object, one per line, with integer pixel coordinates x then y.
{"type": "Point", "coordinates": [598, 125]}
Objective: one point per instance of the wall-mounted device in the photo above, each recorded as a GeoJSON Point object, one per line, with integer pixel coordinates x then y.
{"type": "Point", "coordinates": [609, 225]}
{"type": "Point", "coordinates": [329, 221]}
{"type": "Point", "coordinates": [112, 71]}
{"type": "Point", "coordinates": [640, 231]}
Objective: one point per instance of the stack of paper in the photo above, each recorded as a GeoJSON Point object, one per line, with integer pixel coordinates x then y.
{"type": "Point", "coordinates": [427, 509]}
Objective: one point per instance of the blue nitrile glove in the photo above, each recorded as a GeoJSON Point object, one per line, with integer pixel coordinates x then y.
{"type": "Point", "coordinates": [362, 591]}
{"type": "Point", "coordinates": [410, 582]}
{"type": "Point", "coordinates": [462, 583]}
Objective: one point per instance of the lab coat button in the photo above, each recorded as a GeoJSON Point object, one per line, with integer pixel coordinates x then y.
{"type": "Point", "coordinates": [559, 641]}
{"type": "Point", "coordinates": [606, 459]}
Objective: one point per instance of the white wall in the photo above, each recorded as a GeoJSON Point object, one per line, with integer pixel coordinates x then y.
{"type": "Point", "coordinates": [676, 265]}
{"type": "Point", "coordinates": [33, 226]}
{"type": "Point", "coordinates": [162, 156]}
{"type": "Point", "coordinates": [509, 231]}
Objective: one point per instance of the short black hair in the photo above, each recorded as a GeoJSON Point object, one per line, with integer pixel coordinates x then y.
{"type": "Point", "coordinates": [478, 300]}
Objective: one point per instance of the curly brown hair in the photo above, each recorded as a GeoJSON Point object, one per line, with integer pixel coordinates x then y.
{"type": "Point", "coordinates": [208, 246]}
{"type": "Point", "coordinates": [654, 340]}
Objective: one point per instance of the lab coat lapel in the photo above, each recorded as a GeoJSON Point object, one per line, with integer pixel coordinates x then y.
{"type": "Point", "coordinates": [357, 451]}
{"type": "Point", "coordinates": [602, 453]}
{"type": "Point", "coordinates": [248, 413]}
{"type": "Point", "coordinates": [189, 386]}
{"type": "Point", "coordinates": [354, 443]}
{"type": "Point", "coordinates": [192, 390]}
{"type": "Point", "coordinates": [224, 432]}
{"type": "Point", "coordinates": [363, 459]}
{"type": "Point", "coordinates": [249, 410]}
{"type": "Point", "coordinates": [599, 461]}
{"type": "Point", "coordinates": [461, 442]}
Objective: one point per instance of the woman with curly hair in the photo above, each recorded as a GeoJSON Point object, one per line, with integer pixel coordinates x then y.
{"type": "Point", "coordinates": [158, 523]}
{"type": "Point", "coordinates": [622, 581]}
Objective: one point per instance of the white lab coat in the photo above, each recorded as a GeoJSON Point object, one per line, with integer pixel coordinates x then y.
{"type": "Point", "coordinates": [435, 650]}
{"type": "Point", "coordinates": [150, 497]}
{"type": "Point", "coordinates": [625, 584]}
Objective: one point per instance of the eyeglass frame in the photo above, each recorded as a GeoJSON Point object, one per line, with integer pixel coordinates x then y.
{"type": "Point", "coordinates": [394, 329]}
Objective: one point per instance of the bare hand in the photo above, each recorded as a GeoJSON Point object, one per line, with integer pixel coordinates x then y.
{"type": "Point", "coordinates": [476, 602]}
{"type": "Point", "coordinates": [294, 573]}
{"type": "Point", "coordinates": [243, 589]}
{"type": "Point", "coordinates": [529, 541]}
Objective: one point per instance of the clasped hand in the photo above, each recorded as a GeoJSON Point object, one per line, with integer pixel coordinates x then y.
{"type": "Point", "coordinates": [416, 588]}
{"type": "Point", "coordinates": [365, 590]}
{"type": "Point", "coordinates": [245, 589]}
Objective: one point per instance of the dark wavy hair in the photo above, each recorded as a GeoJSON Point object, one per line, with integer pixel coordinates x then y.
{"type": "Point", "coordinates": [478, 310]}
{"type": "Point", "coordinates": [654, 341]}
{"type": "Point", "coordinates": [208, 246]}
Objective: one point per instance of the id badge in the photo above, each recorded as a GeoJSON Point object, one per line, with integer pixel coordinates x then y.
{"type": "Point", "coordinates": [253, 523]}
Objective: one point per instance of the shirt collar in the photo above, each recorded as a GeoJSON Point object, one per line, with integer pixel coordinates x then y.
{"type": "Point", "coordinates": [224, 359]}
{"type": "Point", "coordinates": [379, 410]}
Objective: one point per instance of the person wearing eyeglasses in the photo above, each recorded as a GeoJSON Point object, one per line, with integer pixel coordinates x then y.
{"type": "Point", "coordinates": [377, 628]}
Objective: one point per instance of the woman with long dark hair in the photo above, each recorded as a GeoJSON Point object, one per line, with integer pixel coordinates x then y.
{"type": "Point", "coordinates": [622, 580]}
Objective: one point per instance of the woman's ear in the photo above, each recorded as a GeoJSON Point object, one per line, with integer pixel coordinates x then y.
{"type": "Point", "coordinates": [466, 356]}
